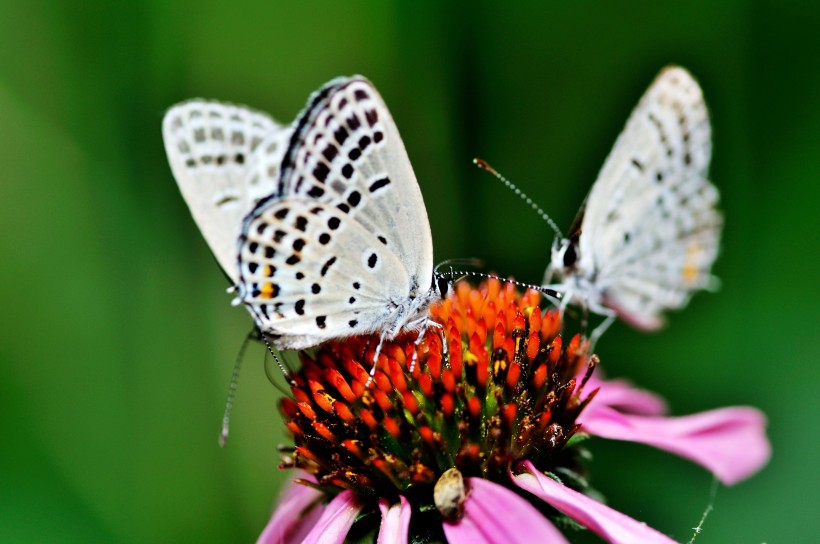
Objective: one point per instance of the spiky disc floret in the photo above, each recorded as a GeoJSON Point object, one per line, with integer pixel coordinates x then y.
{"type": "Point", "coordinates": [495, 385]}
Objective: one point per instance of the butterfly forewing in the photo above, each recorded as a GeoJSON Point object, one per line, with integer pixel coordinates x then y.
{"type": "Point", "coordinates": [650, 230]}
{"type": "Point", "coordinates": [224, 158]}
{"type": "Point", "coordinates": [349, 153]}
{"type": "Point", "coordinates": [344, 246]}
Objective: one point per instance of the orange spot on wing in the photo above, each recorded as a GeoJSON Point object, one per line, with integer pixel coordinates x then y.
{"type": "Point", "coordinates": [690, 271]}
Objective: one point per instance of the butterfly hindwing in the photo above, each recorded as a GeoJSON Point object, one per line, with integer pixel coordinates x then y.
{"type": "Point", "coordinates": [315, 272]}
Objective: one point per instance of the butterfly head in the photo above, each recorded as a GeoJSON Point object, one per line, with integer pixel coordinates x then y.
{"type": "Point", "coordinates": [564, 255]}
{"type": "Point", "coordinates": [442, 282]}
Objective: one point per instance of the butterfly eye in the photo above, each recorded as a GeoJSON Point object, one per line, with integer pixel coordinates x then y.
{"type": "Point", "coordinates": [443, 285]}
{"type": "Point", "coordinates": [570, 256]}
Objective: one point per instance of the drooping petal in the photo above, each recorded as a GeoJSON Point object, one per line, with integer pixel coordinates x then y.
{"type": "Point", "coordinates": [624, 397]}
{"type": "Point", "coordinates": [336, 520]}
{"type": "Point", "coordinates": [295, 515]}
{"type": "Point", "coordinates": [730, 442]}
{"type": "Point", "coordinates": [607, 523]}
{"type": "Point", "coordinates": [496, 515]}
{"type": "Point", "coordinates": [395, 521]}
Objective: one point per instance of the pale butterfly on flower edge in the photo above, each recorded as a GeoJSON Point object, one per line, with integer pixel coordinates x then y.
{"type": "Point", "coordinates": [342, 246]}
{"type": "Point", "coordinates": [646, 237]}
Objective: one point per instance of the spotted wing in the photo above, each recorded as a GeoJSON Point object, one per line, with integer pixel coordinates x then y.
{"type": "Point", "coordinates": [311, 272]}
{"type": "Point", "coordinates": [346, 164]}
{"type": "Point", "coordinates": [650, 231]}
{"type": "Point", "coordinates": [225, 158]}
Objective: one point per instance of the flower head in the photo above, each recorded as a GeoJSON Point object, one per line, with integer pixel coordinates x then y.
{"type": "Point", "coordinates": [460, 448]}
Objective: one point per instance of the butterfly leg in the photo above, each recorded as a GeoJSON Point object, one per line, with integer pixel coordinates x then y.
{"type": "Point", "coordinates": [375, 360]}
{"type": "Point", "coordinates": [425, 323]}
{"type": "Point", "coordinates": [610, 314]}
{"type": "Point", "coordinates": [566, 297]}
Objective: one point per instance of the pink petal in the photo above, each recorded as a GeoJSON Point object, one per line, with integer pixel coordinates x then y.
{"type": "Point", "coordinates": [607, 523]}
{"type": "Point", "coordinates": [494, 514]}
{"type": "Point", "coordinates": [623, 396]}
{"type": "Point", "coordinates": [395, 521]}
{"type": "Point", "coordinates": [731, 442]}
{"type": "Point", "coordinates": [336, 520]}
{"type": "Point", "coordinates": [294, 517]}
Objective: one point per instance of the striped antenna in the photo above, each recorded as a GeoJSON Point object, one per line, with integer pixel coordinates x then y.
{"type": "Point", "coordinates": [554, 296]}
{"type": "Point", "coordinates": [226, 418]}
{"type": "Point", "coordinates": [484, 165]}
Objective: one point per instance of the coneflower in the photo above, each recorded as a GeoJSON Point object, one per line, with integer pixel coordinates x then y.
{"type": "Point", "coordinates": [483, 440]}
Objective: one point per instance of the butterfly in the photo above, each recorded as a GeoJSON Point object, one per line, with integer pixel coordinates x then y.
{"type": "Point", "coordinates": [648, 232]}
{"type": "Point", "coordinates": [321, 225]}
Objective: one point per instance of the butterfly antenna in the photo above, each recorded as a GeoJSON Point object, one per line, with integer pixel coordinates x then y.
{"type": "Point", "coordinates": [284, 370]}
{"type": "Point", "coordinates": [468, 261]}
{"type": "Point", "coordinates": [510, 185]}
{"type": "Point", "coordinates": [237, 366]}
{"type": "Point", "coordinates": [553, 295]}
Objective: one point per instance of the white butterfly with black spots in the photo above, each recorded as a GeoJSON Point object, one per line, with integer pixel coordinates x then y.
{"type": "Point", "coordinates": [646, 237]}
{"type": "Point", "coordinates": [340, 245]}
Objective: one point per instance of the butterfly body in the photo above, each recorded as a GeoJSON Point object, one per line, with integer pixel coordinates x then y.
{"type": "Point", "coordinates": [648, 232]}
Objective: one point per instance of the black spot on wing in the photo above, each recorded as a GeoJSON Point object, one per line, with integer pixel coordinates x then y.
{"type": "Point", "coordinates": [327, 265]}
{"type": "Point", "coordinates": [364, 141]}
{"type": "Point", "coordinates": [330, 152]}
{"type": "Point", "coordinates": [341, 135]}
{"type": "Point", "coordinates": [321, 172]}
{"type": "Point", "coordinates": [379, 184]}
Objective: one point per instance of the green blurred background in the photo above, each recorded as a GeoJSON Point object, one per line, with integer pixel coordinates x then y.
{"type": "Point", "coordinates": [118, 338]}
